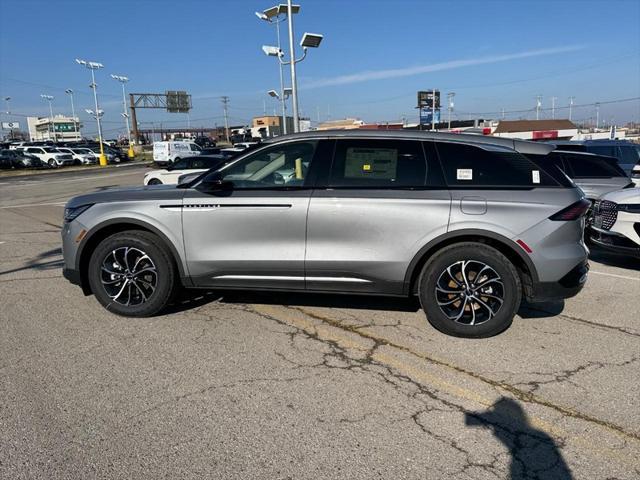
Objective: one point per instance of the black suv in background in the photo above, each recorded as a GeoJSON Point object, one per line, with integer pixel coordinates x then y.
{"type": "Point", "coordinates": [596, 175]}
{"type": "Point", "coordinates": [624, 151]}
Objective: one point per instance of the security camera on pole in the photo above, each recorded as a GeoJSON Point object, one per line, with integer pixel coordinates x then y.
{"type": "Point", "coordinates": [95, 66]}
{"type": "Point", "coordinates": [52, 128]}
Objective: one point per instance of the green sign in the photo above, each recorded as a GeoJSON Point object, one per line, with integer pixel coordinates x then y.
{"type": "Point", "coordinates": [63, 127]}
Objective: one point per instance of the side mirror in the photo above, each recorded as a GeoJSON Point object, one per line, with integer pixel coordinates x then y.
{"type": "Point", "coordinates": [215, 184]}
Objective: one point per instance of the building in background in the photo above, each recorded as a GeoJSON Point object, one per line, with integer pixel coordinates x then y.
{"type": "Point", "coordinates": [535, 129]}
{"type": "Point", "coordinates": [61, 129]}
{"type": "Point", "coordinates": [344, 124]}
{"type": "Point", "coordinates": [269, 126]}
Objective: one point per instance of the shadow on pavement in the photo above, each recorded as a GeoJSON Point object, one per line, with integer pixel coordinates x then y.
{"type": "Point", "coordinates": [189, 299]}
{"type": "Point", "coordinates": [613, 260]}
{"type": "Point", "coordinates": [534, 454]}
{"type": "Point", "coordinates": [540, 310]}
{"type": "Point", "coordinates": [42, 262]}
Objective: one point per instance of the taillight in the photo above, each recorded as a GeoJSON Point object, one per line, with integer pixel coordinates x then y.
{"type": "Point", "coordinates": [572, 212]}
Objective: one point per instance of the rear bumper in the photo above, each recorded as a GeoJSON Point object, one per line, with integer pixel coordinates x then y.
{"type": "Point", "coordinates": [567, 287]}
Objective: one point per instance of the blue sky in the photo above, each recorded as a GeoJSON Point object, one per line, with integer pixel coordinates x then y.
{"type": "Point", "coordinates": [374, 57]}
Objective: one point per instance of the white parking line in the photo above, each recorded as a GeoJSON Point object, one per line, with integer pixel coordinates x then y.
{"type": "Point", "coordinates": [58, 204]}
{"type": "Point", "coordinates": [637, 279]}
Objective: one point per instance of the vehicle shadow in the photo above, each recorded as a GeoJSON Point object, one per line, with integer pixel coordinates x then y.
{"type": "Point", "coordinates": [42, 262]}
{"type": "Point", "coordinates": [613, 260]}
{"type": "Point", "coordinates": [192, 298]}
{"type": "Point", "coordinates": [540, 310]}
{"type": "Point", "coordinates": [534, 454]}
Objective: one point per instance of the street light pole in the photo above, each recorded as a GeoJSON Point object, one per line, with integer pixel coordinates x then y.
{"type": "Point", "coordinates": [52, 129]}
{"type": "Point", "coordinates": [6, 101]}
{"type": "Point", "coordinates": [124, 80]}
{"type": "Point", "coordinates": [69, 92]}
{"type": "Point", "coordinates": [292, 59]}
{"type": "Point", "coordinates": [450, 107]}
{"type": "Point", "coordinates": [95, 66]}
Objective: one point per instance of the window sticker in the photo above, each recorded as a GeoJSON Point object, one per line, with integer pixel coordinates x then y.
{"type": "Point", "coordinates": [381, 163]}
{"type": "Point", "coordinates": [464, 174]}
{"type": "Point", "coordinates": [535, 176]}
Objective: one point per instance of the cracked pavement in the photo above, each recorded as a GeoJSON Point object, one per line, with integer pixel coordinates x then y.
{"type": "Point", "coordinates": [287, 386]}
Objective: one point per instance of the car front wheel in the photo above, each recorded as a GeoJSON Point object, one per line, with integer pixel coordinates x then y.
{"type": "Point", "coordinates": [53, 163]}
{"type": "Point", "coordinates": [132, 274]}
{"type": "Point", "coordinates": [470, 290]}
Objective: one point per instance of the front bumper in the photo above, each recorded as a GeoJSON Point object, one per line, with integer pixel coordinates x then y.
{"type": "Point", "coordinates": [72, 275]}
{"type": "Point", "coordinates": [614, 242]}
{"type": "Point", "coordinates": [567, 287]}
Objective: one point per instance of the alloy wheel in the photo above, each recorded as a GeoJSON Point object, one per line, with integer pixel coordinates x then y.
{"type": "Point", "coordinates": [128, 276]}
{"type": "Point", "coordinates": [469, 292]}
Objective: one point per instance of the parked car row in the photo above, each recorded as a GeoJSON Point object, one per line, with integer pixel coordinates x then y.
{"type": "Point", "coordinates": [171, 152]}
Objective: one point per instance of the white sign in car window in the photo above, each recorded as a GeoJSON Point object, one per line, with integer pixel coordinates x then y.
{"type": "Point", "coordinates": [464, 174]}
{"type": "Point", "coordinates": [535, 174]}
{"type": "Point", "coordinates": [371, 163]}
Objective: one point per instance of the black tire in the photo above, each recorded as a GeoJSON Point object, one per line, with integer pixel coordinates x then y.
{"type": "Point", "coordinates": [52, 163]}
{"type": "Point", "coordinates": [154, 181]}
{"type": "Point", "coordinates": [482, 314]}
{"type": "Point", "coordinates": [158, 257]}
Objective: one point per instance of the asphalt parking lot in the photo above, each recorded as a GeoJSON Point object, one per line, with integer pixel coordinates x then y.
{"type": "Point", "coordinates": [245, 385]}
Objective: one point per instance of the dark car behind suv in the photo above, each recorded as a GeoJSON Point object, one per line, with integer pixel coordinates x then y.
{"type": "Point", "coordinates": [624, 151]}
{"type": "Point", "coordinates": [596, 175]}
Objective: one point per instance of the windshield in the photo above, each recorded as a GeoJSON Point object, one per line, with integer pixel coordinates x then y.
{"type": "Point", "coordinates": [51, 150]}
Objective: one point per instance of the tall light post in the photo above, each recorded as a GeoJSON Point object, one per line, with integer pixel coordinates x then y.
{"type": "Point", "coordinates": [6, 102]}
{"type": "Point", "coordinates": [272, 15]}
{"type": "Point", "coordinates": [597, 115]}
{"type": "Point", "coordinates": [93, 66]}
{"type": "Point", "coordinates": [450, 96]}
{"type": "Point", "coordinates": [538, 105]}
{"type": "Point", "coordinates": [122, 81]}
{"type": "Point", "coordinates": [571, 106]}
{"type": "Point", "coordinates": [69, 92]}
{"type": "Point", "coordinates": [553, 107]}
{"type": "Point", "coordinates": [309, 40]}
{"type": "Point", "coordinates": [286, 92]}
{"type": "Point", "coordinates": [52, 128]}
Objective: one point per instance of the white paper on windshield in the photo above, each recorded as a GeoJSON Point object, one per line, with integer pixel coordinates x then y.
{"type": "Point", "coordinates": [464, 174]}
{"type": "Point", "coordinates": [535, 176]}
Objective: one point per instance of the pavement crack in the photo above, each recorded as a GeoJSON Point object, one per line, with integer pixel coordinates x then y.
{"type": "Point", "coordinates": [522, 395]}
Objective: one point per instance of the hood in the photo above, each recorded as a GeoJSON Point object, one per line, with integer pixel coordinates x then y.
{"type": "Point", "coordinates": [129, 194]}
{"type": "Point", "coordinates": [628, 195]}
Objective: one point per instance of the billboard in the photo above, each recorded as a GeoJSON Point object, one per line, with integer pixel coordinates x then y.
{"type": "Point", "coordinates": [178, 101]}
{"type": "Point", "coordinates": [425, 99]}
{"type": "Point", "coordinates": [426, 116]}
{"type": "Point", "coordinates": [10, 125]}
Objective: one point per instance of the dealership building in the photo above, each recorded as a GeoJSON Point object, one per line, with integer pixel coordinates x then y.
{"type": "Point", "coordinates": [61, 128]}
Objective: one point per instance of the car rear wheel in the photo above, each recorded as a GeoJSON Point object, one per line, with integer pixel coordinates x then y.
{"type": "Point", "coordinates": [470, 290]}
{"type": "Point", "coordinates": [132, 275]}
{"type": "Point", "coordinates": [53, 163]}
{"type": "Point", "coordinates": [154, 181]}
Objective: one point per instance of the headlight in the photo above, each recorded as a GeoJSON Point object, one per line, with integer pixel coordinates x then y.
{"type": "Point", "coordinates": [71, 213]}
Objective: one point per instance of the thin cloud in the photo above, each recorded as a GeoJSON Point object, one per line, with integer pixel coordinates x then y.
{"type": "Point", "coordinates": [435, 67]}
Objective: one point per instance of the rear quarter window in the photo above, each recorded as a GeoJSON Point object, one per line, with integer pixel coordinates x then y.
{"type": "Point", "coordinates": [473, 166]}
{"type": "Point", "coordinates": [587, 166]}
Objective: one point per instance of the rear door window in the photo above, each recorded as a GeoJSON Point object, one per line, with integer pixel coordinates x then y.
{"type": "Point", "coordinates": [487, 166]}
{"type": "Point", "coordinates": [364, 163]}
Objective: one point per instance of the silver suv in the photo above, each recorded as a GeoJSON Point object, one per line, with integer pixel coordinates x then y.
{"type": "Point", "coordinates": [469, 224]}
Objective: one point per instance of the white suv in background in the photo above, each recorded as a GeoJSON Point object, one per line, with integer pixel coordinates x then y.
{"type": "Point", "coordinates": [81, 156]}
{"type": "Point", "coordinates": [615, 222]}
{"type": "Point", "coordinates": [50, 155]}
{"type": "Point", "coordinates": [173, 172]}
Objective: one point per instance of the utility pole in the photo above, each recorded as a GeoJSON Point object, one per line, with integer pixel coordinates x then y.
{"type": "Point", "coordinates": [538, 105]}
{"type": "Point", "coordinates": [503, 114]}
{"type": "Point", "coordinates": [597, 115]}
{"type": "Point", "coordinates": [225, 103]}
{"type": "Point", "coordinates": [553, 107]}
{"type": "Point", "coordinates": [570, 106]}
{"type": "Point", "coordinates": [433, 110]}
